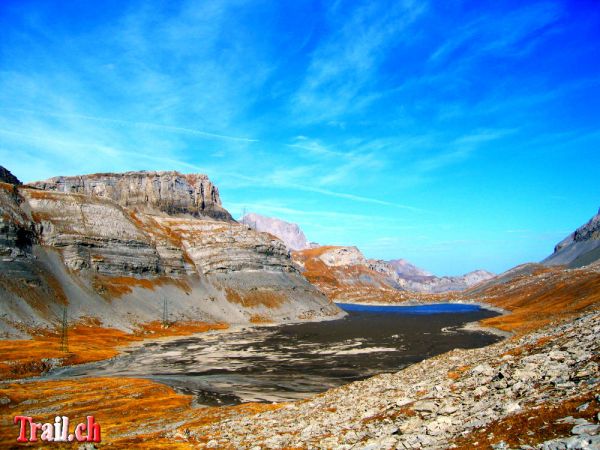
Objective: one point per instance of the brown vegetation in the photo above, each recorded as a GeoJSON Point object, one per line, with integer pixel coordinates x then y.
{"type": "Point", "coordinates": [254, 298]}
{"type": "Point", "coordinates": [87, 342]}
{"type": "Point", "coordinates": [260, 318]}
{"type": "Point", "coordinates": [458, 372]}
{"type": "Point", "coordinates": [132, 413]}
{"type": "Point", "coordinates": [115, 287]}
{"type": "Point", "coordinates": [531, 426]}
{"type": "Point", "coordinates": [538, 299]}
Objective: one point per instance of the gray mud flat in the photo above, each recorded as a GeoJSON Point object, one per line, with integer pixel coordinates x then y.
{"type": "Point", "coordinates": [288, 362]}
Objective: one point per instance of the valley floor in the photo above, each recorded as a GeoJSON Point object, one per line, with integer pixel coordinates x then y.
{"type": "Point", "coordinates": [537, 389]}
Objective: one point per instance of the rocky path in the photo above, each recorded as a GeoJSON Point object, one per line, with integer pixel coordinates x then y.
{"type": "Point", "coordinates": [538, 391]}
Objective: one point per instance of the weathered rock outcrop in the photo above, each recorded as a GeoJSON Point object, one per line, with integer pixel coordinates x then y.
{"type": "Point", "coordinates": [16, 231]}
{"type": "Point", "coordinates": [407, 270]}
{"type": "Point", "coordinates": [580, 248]}
{"type": "Point", "coordinates": [342, 256]}
{"type": "Point", "coordinates": [290, 233]}
{"type": "Point", "coordinates": [346, 275]}
{"type": "Point", "coordinates": [7, 177]}
{"type": "Point", "coordinates": [170, 192]}
{"type": "Point", "coordinates": [87, 250]}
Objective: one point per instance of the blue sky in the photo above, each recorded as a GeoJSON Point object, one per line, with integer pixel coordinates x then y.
{"type": "Point", "coordinates": [458, 135]}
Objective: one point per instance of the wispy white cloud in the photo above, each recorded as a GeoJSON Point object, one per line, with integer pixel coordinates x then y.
{"type": "Point", "coordinates": [493, 34]}
{"type": "Point", "coordinates": [275, 181]}
{"type": "Point", "coordinates": [345, 64]}
{"type": "Point", "coordinates": [131, 124]}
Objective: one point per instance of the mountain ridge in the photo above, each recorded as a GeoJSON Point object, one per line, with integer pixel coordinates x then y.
{"type": "Point", "coordinates": [84, 251]}
{"type": "Point", "coordinates": [579, 248]}
{"type": "Point", "coordinates": [170, 192]}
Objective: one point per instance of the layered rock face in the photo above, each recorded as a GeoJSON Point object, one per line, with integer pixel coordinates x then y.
{"type": "Point", "coordinates": [169, 192]}
{"type": "Point", "coordinates": [346, 275]}
{"type": "Point", "coordinates": [118, 264]}
{"type": "Point", "coordinates": [216, 247]}
{"type": "Point", "coordinates": [580, 248]}
{"type": "Point", "coordinates": [290, 233]}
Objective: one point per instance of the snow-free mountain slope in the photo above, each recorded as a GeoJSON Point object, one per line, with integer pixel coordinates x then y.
{"type": "Point", "coordinates": [580, 248]}
{"type": "Point", "coordinates": [290, 233]}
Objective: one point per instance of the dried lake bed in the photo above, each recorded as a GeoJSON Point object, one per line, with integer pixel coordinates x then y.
{"type": "Point", "coordinates": [289, 362]}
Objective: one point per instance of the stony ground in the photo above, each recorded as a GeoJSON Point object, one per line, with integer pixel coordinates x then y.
{"type": "Point", "coordinates": [538, 391]}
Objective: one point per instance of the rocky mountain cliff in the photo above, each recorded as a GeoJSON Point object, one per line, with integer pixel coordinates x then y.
{"type": "Point", "coordinates": [290, 233]}
{"type": "Point", "coordinates": [580, 248]}
{"type": "Point", "coordinates": [92, 244]}
{"type": "Point", "coordinates": [346, 275]}
{"type": "Point", "coordinates": [7, 177]}
{"type": "Point", "coordinates": [170, 192]}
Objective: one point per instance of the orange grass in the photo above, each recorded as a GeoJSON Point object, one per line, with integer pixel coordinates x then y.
{"type": "Point", "coordinates": [260, 318]}
{"type": "Point", "coordinates": [533, 301]}
{"type": "Point", "coordinates": [254, 298]}
{"type": "Point", "coordinates": [132, 413]}
{"type": "Point", "coordinates": [87, 343]}
{"type": "Point", "coordinates": [532, 426]}
{"type": "Point", "coordinates": [539, 299]}
{"type": "Point", "coordinates": [115, 287]}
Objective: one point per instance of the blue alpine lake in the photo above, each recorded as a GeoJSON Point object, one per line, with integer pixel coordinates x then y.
{"type": "Point", "coordinates": [434, 308]}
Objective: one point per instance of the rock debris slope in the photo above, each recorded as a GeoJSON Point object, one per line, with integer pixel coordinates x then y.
{"type": "Point", "coordinates": [113, 247]}
{"type": "Point", "coordinates": [538, 391]}
{"type": "Point", "coordinates": [580, 248]}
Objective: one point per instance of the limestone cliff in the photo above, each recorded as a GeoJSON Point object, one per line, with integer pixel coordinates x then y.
{"type": "Point", "coordinates": [99, 250]}
{"type": "Point", "coordinates": [169, 192]}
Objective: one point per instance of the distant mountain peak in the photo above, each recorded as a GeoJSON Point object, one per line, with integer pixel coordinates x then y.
{"type": "Point", "coordinates": [406, 269]}
{"type": "Point", "coordinates": [290, 233]}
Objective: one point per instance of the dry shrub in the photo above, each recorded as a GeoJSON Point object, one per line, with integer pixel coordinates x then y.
{"type": "Point", "coordinates": [254, 298]}
{"type": "Point", "coordinates": [115, 287]}
{"type": "Point", "coordinates": [537, 300]}
{"type": "Point", "coordinates": [260, 318]}
{"type": "Point", "coordinates": [458, 372]}
{"type": "Point", "coordinates": [88, 342]}
{"type": "Point", "coordinates": [532, 426]}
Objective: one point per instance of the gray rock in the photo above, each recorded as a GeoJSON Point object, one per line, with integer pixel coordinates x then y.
{"type": "Point", "coordinates": [582, 442]}
{"type": "Point", "coordinates": [587, 428]}
{"type": "Point", "coordinates": [425, 406]}
{"type": "Point", "coordinates": [290, 233]}
{"type": "Point", "coordinates": [7, 177]}
{"type": "Point", "coordinates": [579, 248]}
{"type": "Point", "coordinates": [169, 192]}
